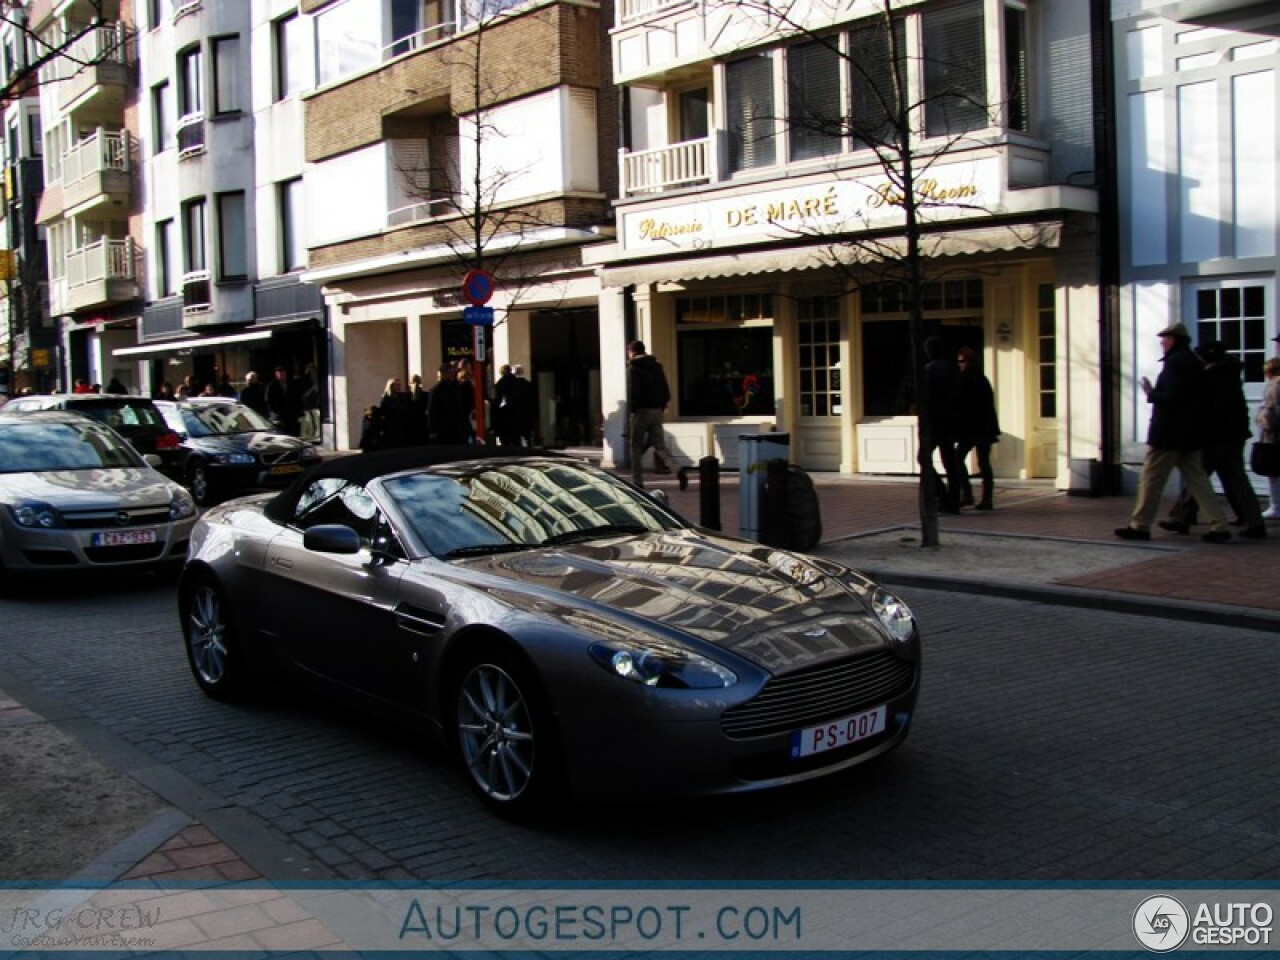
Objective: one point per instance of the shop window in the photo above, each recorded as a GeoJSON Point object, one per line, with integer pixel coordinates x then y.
{"type": "Point", "coordinates": [726, 371]}
{"type": "Point", "coordinates": [1235, 313]}
{"type": "Point", "coordinates": [819, 368]}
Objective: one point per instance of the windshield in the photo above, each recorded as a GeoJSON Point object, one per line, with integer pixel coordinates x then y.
{"type": "Point", "coordinates": [35, 447]}
{"type": "Point", "coordinates": [211, 419]}
{"type": "Point", "coordinates": [493, 507]}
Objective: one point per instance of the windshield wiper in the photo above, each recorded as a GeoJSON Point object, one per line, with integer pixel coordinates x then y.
{"type": "Point", "coordinates": [484, 549]}
{"type": "Point", "coordinates": [592, 533]}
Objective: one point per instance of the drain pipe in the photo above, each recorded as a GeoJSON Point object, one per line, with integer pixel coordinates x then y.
{"type": "Point", "coordinates": [1104, 144]}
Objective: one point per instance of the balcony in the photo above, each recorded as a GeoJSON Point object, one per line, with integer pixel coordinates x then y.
{"type": "Point", "coordinates": [437, 33]}
{"type": "Point", "coordinates": [631, 11]}
{"type": "Point", "coordinates": [191, 135]}
{"type": "Point", "coordinates": [686, 164]}
{"type": "Point", "coordinates": [197, 293]}
{"type": "Point", "coordinates": [96, 171]}
{"type": "Point", "coordinates": [421, 212]}
{"type": "Point", "coordinates": [99, 274]}
{"type": "Point", "coordinates": [94, 72]}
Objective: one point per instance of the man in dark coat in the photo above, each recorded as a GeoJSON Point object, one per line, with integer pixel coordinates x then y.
{"type": "Point", "coordinates": [977, 428]}
{"type": "Point", "coordinates": [1227, 430]}
{"type": "Point", "coordinates": [936, 414]}
{"type": "Point", "coordinates": [254, 394]}
{"type": "Point", "coordinates": [647, 397]}
{"type": "Point", "coordinates": [447, 409]}
{"type": "Point", "coordinates": [1175, 439]}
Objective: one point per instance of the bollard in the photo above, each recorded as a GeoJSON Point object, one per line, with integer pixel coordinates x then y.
{"type": "Point", "coordinates": [709, 492]}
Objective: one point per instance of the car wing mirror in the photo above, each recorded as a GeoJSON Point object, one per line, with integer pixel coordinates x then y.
{"type": "Point", "coordinates": [331, 538]}
{"type": "Point", "coordinates": [152, 460]}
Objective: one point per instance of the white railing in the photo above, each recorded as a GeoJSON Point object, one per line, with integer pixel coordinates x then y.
{"type": "Point", "coordinates": [632, 10]}
{"type": "Point", "coordinates": [100, 44]}
{"type": "Point", "coordinates": [419, 40]}
{"type": "Point", "coordinates": [678, 165]}
{"type": "Point", "coordinates": [190, 134]}
{"type": "Point", "coordinates": [104, 260]}
{"type": "Point", "coordinates": [185, 8]}
{"type": "Point", "coordinates": [98, 152]}
{"type": "Point", "coordinates": [418, 212]}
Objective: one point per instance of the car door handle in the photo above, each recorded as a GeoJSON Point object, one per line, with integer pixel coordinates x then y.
{"type": "Point", "coordinates": [284, 563]}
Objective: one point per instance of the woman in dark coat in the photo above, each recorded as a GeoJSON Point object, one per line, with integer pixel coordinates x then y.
{"type": "Point", "coordinates": [977, 427]}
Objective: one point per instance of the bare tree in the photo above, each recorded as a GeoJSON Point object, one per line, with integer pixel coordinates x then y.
{"type": "Point", "coordinates": [885, 115]}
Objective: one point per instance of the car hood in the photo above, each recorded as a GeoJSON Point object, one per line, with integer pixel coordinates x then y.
{"type": "Point", "coordinates": [777, 609]}
{"type": "Point", "coordinates": [88, 489]}
{"type": "Point", "coordinates": [256, 443]}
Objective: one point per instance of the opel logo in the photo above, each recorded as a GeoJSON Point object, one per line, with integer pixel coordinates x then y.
{"type": "Point", "coordinates": [122, 518]}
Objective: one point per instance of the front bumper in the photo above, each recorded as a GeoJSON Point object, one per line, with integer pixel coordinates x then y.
{"type": "Point", "coordinates": [29, 550]}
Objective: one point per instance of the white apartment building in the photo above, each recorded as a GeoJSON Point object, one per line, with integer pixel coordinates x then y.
{"type": "Point", "coordinates": [1197, 121]}
{"type": "Point", "coordinates": [744, 202]}
{"type": "Point", "coordinates": [223, 215]}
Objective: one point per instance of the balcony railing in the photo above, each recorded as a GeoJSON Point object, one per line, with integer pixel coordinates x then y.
{"type": "Point", "coordinates": [664, 168]}
{"type": "Point", "coordinates": [420, 40]}
{"type": "Point", "coordinates": [418, 212]}
{"type": "Point", "coordinates": [197, 292]}
{"type": "Point", "coordinates": [185, 8]}
{"type": "Point", "coordinates": [101, 44]}
{"type": "Point", "coordinates": [96, 153]}
{"type": "Point", "coordinates": [101, 261]}
{"type": "Point", "coordinates": [190, 134]}
{"type": "Point", "coordinates": [631, 10]}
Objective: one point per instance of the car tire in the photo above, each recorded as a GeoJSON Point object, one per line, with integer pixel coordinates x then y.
{"type": "Point", "coordinates": [200, 485]}
{"type": "Point", "coordinates": [214, 653]}
{"type": "Point", "coordinates": [504, 734]}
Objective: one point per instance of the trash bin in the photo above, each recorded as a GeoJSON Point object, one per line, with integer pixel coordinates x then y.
{"type": "Point", "coordinates": [755, 450]}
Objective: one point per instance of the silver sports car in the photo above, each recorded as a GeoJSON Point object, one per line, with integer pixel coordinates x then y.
{"type": "Point", "coordinates": [561, 630]}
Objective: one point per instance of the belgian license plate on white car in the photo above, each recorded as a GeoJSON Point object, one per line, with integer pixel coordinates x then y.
{"type": "Point", "coordinates": [123, 538]}
{"type": "Point", "coordinates": [838, 733]}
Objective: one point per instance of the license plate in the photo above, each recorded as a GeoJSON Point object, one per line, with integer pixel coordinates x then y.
{"type": "Point", "coordinates": [286, 468]}
{"type": "Point", "coordinates": [123, 538]}
{"type": "Point", "coordinates": [838, 733]}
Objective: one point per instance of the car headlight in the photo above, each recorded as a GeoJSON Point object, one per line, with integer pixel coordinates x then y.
{"type": "Point", "coordinates": [308, 454]}
{"type": "Point", "coordinates": [36, 514]}
{"type": "Point", "coordinates": [233, 458]}
{"type": "Point", "coordinates": [661, 666]}
{"type": "Point", "coordinates": [894, 615]}
{"type": "Point", "coordinates": [181, 506]}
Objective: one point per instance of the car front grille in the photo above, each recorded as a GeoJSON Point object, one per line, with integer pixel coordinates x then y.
{"type": "Point", "coordinates": [817, 695]}
{"type": "Point", "coordinates": [276, 459]}
{"type": "Point", "coordinates": [116, 519]}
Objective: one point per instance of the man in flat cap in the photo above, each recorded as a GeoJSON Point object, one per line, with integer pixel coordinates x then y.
{"type": "Point", "coordinates": [1175, 439]}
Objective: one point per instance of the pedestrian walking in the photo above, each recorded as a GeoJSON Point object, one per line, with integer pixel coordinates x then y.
{"type": "Point", "coordinates": [937, 412]}
{"type": "Point", "coordinates": [1268, 420]}
{"type": "Point", "coordinates": [446, 409]}
{"type": "Point", "coordinates": [254, 394]}
{"type": "Point", "coordinates": [1175, 438]}
{"type": "Point", "coordinates": [977, 428]}
{"type": "Point", "coordinates": [393, 408]}
{"type": "Point", "coordinates": [419, 434]}
{"type": "Point", "coordinates": [503, 408]}
{"type": "Point", "coordinates": [524, 402]}
{"type": "Point", "coordinates": [283, 408]}
{"type": "Point", "coordinates": [1227, 429]}
{"type": "Point", "coordinates": [648, 395]}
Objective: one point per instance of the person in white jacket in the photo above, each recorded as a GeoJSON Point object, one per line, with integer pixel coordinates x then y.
{"type": "Point", "coordinates": [1268, 419]}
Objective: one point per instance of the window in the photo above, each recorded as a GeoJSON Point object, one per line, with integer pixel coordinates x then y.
{"type": "Point", "coordinates": [955, 73]}
{"type": "Point", "coordinates": [750, 112]}
{"type": "Point", "coordinates": [694, 112]}
{"type": "Point", "coordinates": [819, 339]}
{"type": "Point", "coordinates": [724, 351]}
{"type": "Point", "coordinates": [160, 123]}
{"type": "Point", "coordinates": [233, 237]}
{"type": "Point", "coordinates": [158, 11]}
{"type": "Point", "coordinates": [1234, 312]}
{"type": "Point", "coordinates": [347, 41]}
{"type": "Point", "coordinates": [190, 83]}
{"type": "Point", "coordinates": [293, 247]}
{"type": "Point", "coordinates": [1047, 350]}
{"type": "Point", "coordinates": [193, 224]}
{"type": "Point", "coordinates": [227, 94]}
{"type": "Point", "coordinates": [291, 52]}
{"type": "Point", "coordinates": [165, 253]}
{"type": "Point", "coordinates": [334, 500]}
{"type": "Point", "coordinates": [876, 96]}
{"type": "Point", "coordinates": [1016, 94]}
{"type": "Point", "coordinates": [814, 115]}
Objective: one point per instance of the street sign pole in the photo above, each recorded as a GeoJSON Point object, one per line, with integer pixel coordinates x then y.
{"type": "Point", "coordinates": [477, 288]}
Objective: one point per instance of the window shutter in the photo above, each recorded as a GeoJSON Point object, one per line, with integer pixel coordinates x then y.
{"type": "Point", "coordinates": [814, 117]}
{"type": "Point", "coordinates": [751, 112]}
{"type": "Point", "coordinates": [955, 70]}
{"type": "Point", "coordinates": [874, 104]}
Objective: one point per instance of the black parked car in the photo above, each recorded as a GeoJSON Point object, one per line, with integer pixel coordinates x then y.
{"type": "Point", "coordinates": [137, 419]}
{"type": "Point", "coordinates": [227, 448]}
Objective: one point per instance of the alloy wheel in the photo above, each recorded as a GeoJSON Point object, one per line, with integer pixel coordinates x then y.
{"type": "Point", "coordinates": [495, 733]}
{"type": "Point", "coordinates": [207, 636]}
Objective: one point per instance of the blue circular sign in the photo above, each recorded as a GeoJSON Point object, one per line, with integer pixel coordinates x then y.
{"type": "Point", "coordinates": [477, 287]}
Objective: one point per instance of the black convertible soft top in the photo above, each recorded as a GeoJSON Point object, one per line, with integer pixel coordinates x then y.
{"type": "Point", "coordinates": [363, 467]}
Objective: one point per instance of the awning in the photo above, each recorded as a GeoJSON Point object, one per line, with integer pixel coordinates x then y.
{"type": "Point", "coordinates": [191, 343]}
{"type": "Point", "coordinates": [951, 243]}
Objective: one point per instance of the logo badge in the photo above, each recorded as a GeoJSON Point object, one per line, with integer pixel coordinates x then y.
{"type": "Point", "coordinates": [1161, 923]}
{"type": "Point", "coordinates": [122, 518]}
